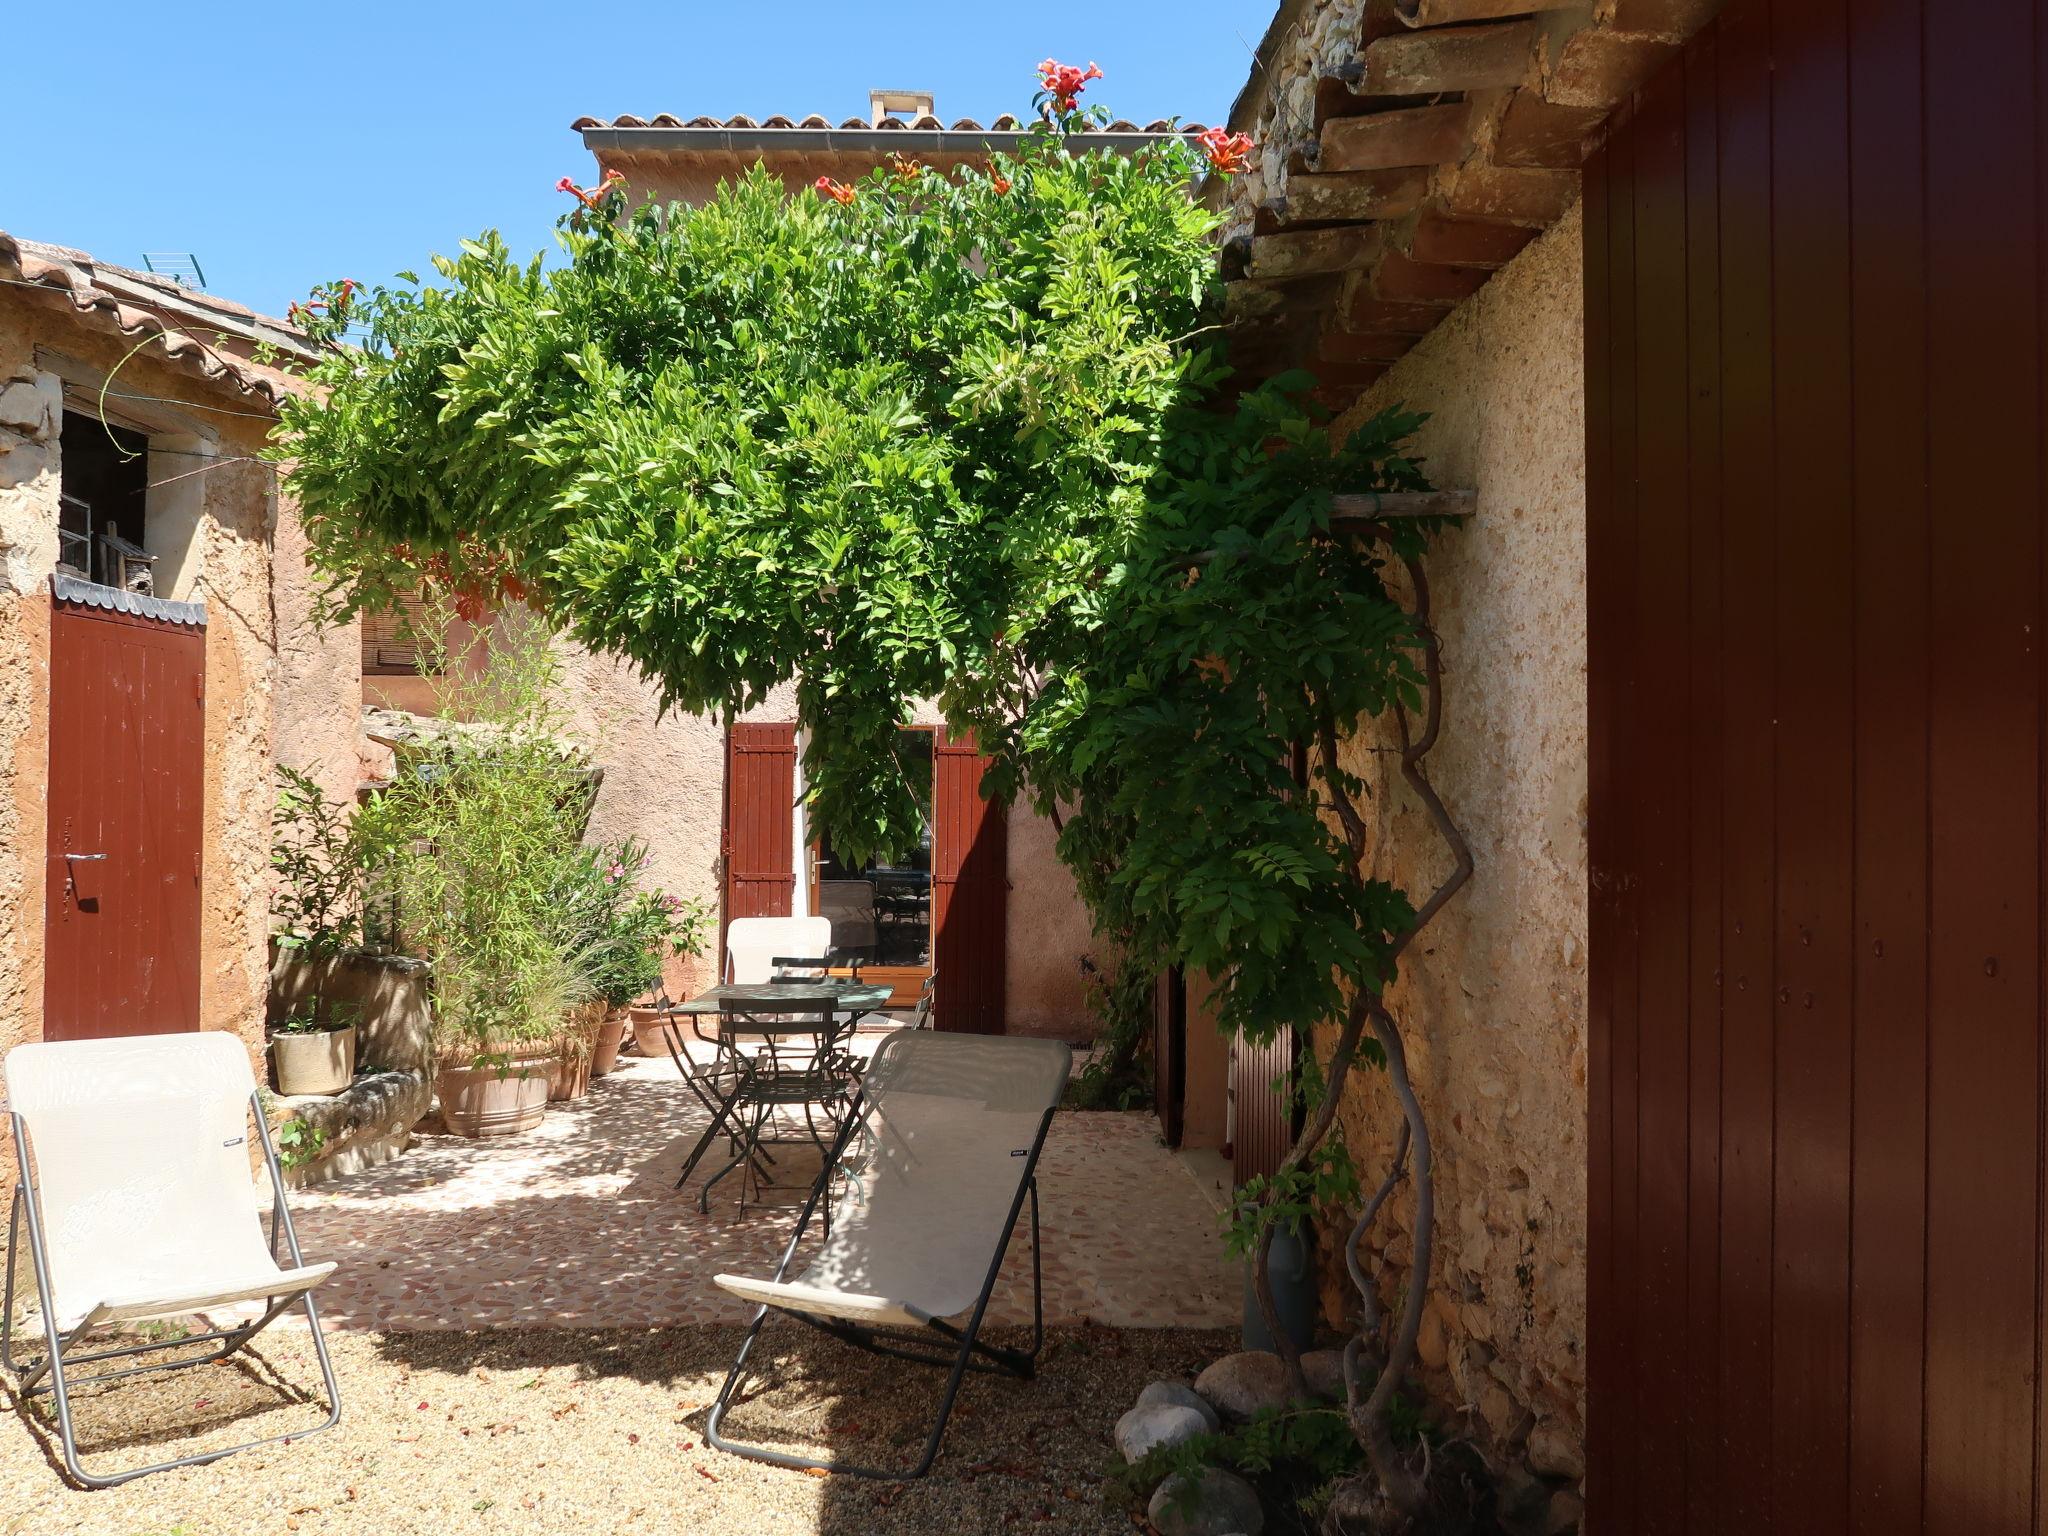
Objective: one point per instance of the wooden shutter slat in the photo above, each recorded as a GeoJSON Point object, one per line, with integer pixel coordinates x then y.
{"type": "Point", "coordinates": [760, 798]}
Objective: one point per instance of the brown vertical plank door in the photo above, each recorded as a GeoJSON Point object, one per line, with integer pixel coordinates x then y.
{"type": "Point", "coordinates": [970, 892]}
{"type": "Point", "coordinates": [127, 781]}
{"type": "Point", "coordinates": [1888, 317]}
{"type": "Point", "coordinates": [760, 810]}
{"type": "Point", "coordinates": [1266, 1124]}
{"type": "Point", "coordinates": [1984, 1004]}
{"type": "Point", "coordinates": [1170, 1054]}
{"type": "Point", "coordinates": [1819, 849]}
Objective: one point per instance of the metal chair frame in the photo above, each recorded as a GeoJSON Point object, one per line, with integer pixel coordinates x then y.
{"type": "Point", "coordinates": [940, 1345]}
{"type": "Point", "coordinates": [57, 1360]}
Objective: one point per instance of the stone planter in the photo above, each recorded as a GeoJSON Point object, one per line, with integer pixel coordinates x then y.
{"type": "Point", "coordinates": [611, 1033]}
{"type": "Point", "coordinates": [500, 1098]}
{"type": "Point", "coordinates": [652, 1030]}
{"type": "Point", "coordinates": [314, 1061]}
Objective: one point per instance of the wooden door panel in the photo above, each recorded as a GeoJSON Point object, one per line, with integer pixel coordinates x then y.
{"type": "Point", "coordinates": [126, 780]}
{"type": "Point", "coordinates": [1818, 779]}
{"type": "Point", "coordinates": [970, 893]}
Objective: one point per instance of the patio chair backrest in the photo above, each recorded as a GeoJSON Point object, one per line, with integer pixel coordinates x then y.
{"type": "Point", "coordinates": [141, 1156]}
{"type": "Point", "coordinates": [933, 1175]}
{"type": "Point", "coordinates": [752, 945]}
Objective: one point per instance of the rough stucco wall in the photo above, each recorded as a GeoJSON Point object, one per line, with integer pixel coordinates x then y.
{"type": "Point", "coordinates": [227, 566]}
{"type": "Point", "coordinates": [1494, 998]}
{"type": "Point", "coordinates": [318, 708]}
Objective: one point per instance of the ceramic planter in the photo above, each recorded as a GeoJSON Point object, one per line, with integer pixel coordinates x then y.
{"type": "Point", "coordinates": [315, 1061]}
{"type": "Point", "coordinates": [506, 1095]}
{"type": "Point", "coordinates": [611, 1032]}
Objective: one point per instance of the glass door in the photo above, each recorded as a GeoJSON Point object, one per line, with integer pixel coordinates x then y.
{"type": "Point", "coordinates": [881, 910]}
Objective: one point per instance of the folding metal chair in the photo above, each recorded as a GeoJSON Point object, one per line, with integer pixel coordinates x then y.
{"type": "Point", "coordinates": [138, 1202]}
{"type": "Point", "coordinates": [935, 1161]}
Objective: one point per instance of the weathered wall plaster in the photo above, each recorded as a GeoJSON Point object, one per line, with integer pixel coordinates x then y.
{"type": "Point", "coordinates": [317, 722]}
{"type": "Point", "coordinates": [1493, 1000]}
{"type": "Point", "coordinates": [224, 561]}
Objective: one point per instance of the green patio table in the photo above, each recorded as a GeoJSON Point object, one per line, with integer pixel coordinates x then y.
{"type": "Point", "coordinates": [748, 1087]}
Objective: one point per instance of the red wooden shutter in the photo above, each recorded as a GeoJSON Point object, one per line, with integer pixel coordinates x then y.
{"type": "Point", "coordinates": [760, 798]}
{"type": "Point", "coordinates": [970, 892]}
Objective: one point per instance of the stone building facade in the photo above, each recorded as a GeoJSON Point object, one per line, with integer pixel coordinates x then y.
{"type": "Point", "coordinates": [87, 351]}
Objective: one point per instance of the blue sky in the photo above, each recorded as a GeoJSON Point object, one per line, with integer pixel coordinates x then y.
{"type": "Point", "coordinates": [286, 144]}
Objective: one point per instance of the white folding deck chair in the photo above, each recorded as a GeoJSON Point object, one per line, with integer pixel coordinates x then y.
{"type": "Point", "coordinates": [136, 1191]}
{"type": "Point", "coordinates": [936, 1159]}
{"type": "Point", "coordinates": [754, 944]}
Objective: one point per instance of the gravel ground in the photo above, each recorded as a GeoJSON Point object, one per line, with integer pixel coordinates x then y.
{"type": "Point", "coordinates": [591, 1433]}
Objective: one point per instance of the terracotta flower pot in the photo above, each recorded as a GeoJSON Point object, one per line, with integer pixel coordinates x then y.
{"type": "Point", "coordinates": [315, 1061]}
{"type": "Point", "coordinates": [652, 1030]}
{"type": "Point", "coordinates": [570, 1079]}
{"type": "Point", "coordinates": [611, 1033]}
{"type": "Point", "coordinates": [500, 1098]}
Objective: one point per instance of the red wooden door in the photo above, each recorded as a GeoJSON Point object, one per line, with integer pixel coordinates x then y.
{"type": "Point", "coordinates": [760, 808]}
{"type": "Point", "coordinates": [126, 806]}
{"type": "Point", "coordinates": [970, 892]}
{"type": "Point", "coordinates": [1815, 287]}
{"type": "Point", "coordinates": [1170, 1054]}
{"type": "Point", "coordinates": [1263, 1077]}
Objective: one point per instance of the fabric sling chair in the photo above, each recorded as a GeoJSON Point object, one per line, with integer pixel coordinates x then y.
{"type": "Point", "coordinates": [136, 1192]}
{"type": "Point", "coordinates": [935, 1160]}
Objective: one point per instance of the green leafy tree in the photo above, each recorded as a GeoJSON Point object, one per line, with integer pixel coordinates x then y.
{"type": "Point", "coordinates": [971, 437]}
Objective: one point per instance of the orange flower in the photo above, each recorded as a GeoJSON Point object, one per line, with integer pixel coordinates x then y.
{"type": "Point", "coordinates": [905, 168]}
{"type": "Point", "coordinates": [1228, 152]}
{"type": "Point", "coordinates": [592, 196]}
{"type": "Point", "coordinates": [825, 186]}
{"type": "Point", "coordinates": [1065, 82]}
{"type": "Point", "coordinates": [1000, 182]}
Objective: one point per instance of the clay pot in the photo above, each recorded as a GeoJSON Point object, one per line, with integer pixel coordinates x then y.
{"type": "Point", "coordinates": [506, 1095]}
{"type": "Point", "coordinates": [611, 1033]}
{"type": "Point", "coordinates": [569, 1078]}
{"type": "Point", "coordinates": [316, 1061]}
{"type": "Point", "coordinates": [652, 1030]}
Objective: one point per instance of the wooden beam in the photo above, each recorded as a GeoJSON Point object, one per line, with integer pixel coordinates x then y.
{"type": "Point", "coordinates": [1380, 507]}
{"type": "Point", "coordinates": [1354, 196]}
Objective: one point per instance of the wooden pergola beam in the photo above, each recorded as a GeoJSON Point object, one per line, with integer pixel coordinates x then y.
{"type": "Point", "coordinates": [1385, 505]}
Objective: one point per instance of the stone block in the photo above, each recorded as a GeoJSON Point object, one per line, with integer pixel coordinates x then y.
{"type": "Point", "coordinates": [1407, 136]}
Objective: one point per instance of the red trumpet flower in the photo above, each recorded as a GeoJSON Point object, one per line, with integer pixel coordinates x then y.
{"type": "Point", "coordinates": [1228, 152]}
{"type": "Point", "coordinates": [1065, 82]}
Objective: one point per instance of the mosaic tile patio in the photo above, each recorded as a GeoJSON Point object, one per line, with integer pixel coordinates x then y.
{"type": "Point", "coordinates": [577, 1224]}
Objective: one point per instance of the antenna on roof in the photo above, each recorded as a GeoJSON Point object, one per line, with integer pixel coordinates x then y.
{"type": "Point", "coordinates": [181, 267]}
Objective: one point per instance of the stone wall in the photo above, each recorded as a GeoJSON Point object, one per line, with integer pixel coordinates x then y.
{"type": "Point", "coordinates": [1494, 998]}
{"type": "Point", "coordinates": [317, 722]}
{"type": "Point", "coordinates": [217, 525]}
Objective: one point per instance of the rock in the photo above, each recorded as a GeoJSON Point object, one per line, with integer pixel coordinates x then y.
{"type": "Point", "coordinates": [1556, 1451]}
{"type": "Point", "coordinates": [1567, 1512]}
{"type": "Point", "coordinates": [1245, 1383]}
{"type": "Point", "coordinates": [1323, 1370]}
{"type": "Point", "coordinates": [33, 406]}
{"type": "Point", "coordinates": [1145, 1429]}
{"type": "Point", "coordinates": [1176, 1394]}
{"type": "Point", "coordinates": [1212, 1503]}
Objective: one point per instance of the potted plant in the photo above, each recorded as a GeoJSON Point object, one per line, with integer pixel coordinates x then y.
{"type": "Point", "coordinates": [312, 1052]}
{"type": "Point", "coordinates": [622, 935]}
{"type": "Point", "coordinates": [316, 859]}
{"type": "Point", "coordinates": [472, 837]}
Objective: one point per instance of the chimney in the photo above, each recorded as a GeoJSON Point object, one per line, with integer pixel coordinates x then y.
{"type": "Point", "coordinates": [908, 105]}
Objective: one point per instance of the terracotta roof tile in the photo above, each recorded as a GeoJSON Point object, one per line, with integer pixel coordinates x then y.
{"type": "Point", "coordinates": [143, 305]}
{"type": "Point", "coordinates": [1006, 123]}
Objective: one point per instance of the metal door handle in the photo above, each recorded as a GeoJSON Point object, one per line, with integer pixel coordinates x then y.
{"type": "Point", "coordinates": [85, 857]}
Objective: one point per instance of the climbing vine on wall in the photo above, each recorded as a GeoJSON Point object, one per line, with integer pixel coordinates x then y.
{"type": "Point", "coordinates": [971, 436]}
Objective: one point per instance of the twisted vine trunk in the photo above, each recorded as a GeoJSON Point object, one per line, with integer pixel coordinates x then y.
{"type": "Point", "coordinates": [1370, 1418]}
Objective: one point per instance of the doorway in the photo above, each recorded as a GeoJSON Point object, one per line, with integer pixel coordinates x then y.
{"type": "Point", "coordinates": [126, 808]}
{"type": "Point", "coordinates": [881, 909]}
